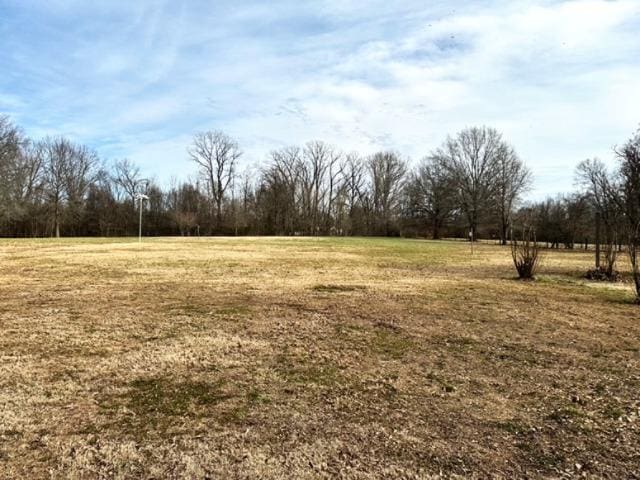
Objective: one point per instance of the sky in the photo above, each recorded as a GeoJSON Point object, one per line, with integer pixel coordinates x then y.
{"type": "Point", "coordinates": [138, 78]}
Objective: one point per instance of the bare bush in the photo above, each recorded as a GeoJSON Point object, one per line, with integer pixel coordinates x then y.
{"type": "Point", "coordinates": [607, 272]}
{"type": "Point", "coordinates": [526, 254]}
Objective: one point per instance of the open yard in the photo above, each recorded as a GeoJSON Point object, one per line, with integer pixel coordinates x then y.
{"type": "Point", "coordinates": [311, 358]}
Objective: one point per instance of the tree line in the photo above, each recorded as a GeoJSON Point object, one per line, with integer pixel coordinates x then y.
{"type": "Point", "coordinates": [55, 187]}
{"type": "Point", "coordinates": [472, 185]}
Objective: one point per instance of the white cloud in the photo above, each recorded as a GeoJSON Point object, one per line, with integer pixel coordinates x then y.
{"type": "Point", "coordinates": [138, 78]}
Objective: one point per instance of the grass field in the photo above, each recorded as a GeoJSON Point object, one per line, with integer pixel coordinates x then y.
{"type": "Point", "coordinates": [311, 358]}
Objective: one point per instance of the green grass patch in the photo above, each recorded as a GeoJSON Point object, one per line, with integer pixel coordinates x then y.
{"type": "Point", "coordinates": [325, 375]}
{"type": "Point", "coordinates": [203, 310]}
{"type": "Point", "coordinates": [613, 412]}
{"type": "Point", "coordinates": [302, 371]}
{"type": "Point", "coordinates": [513, 426]}
{"type": "Point", "coordinates": [337, 288]}
{"type": "Point", "coordinates": [566, 414]}
{"type": "Point", "coordinates": [234, 310]}
{"type": "Point", "coordinates": [160, 404]}
{"type": "Point", "coordinates": [560, 280]}
{"type": "Point", "coordinates": [391, 344]}
{"type": "Point", "coordinates": [610, 291]}
{"type": "Point", "coordinates": [161, 396]}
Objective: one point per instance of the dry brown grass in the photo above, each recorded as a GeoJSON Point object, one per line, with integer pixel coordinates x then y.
{"type": "Point", "coordinates": [311, 358]}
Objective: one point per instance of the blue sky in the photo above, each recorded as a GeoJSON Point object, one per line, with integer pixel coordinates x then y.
{"type": "Point", "coordinates": [138, 78]}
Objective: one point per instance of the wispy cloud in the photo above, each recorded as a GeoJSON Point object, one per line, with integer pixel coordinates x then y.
{"type": "Point", "coordinates": [137, 79]}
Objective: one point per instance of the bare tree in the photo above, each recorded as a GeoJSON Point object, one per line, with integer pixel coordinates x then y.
{"type": "Point", "coordinates": [313, 171]}
{"type": "Point", "coordinates": [81, 171]}
{"type": "Point", "coordinates": [184, 202]}
{"type": "Point", "coordinates": [353, 172]}
{"type": "Point", "coordinates": [578, 218]}
{"type": "Point", "coordinates": [68, 169]}
{"type": "Point", "coordinates": [186, 221]}
{"type": "Point", "coordinates": [283, 193]}
{"type": "Point", "coordinates": [27, 177]}
{"type": "Point", "coordinates": [471, 159]}
{"type": "Point", "coordinates": [431, 194]}
{"type": "Point", "coordinates": [318, 174]}
{"type": "Point", "coordinates": [101, 206]}
{"type": "Point", "coordinates": [354, 188]}
{"type": "Point", "coordinates": [334, 190]}
{"type": "Point", "coordinates": [246, 200]}
{"type": "Point", "coordinates": [11, 141]}
{"type": "Point", "coordinates": [512, 179]}
{"type": "Point", "coordinates": [126, 176]}
{"type": "Point", "coordinates": [56, 153]}
{"type": "Point", "coordinates": [387, 172]}
{"type": "Point", "coordinates": [629, 199]}
{"type": "Point", "coordinates": [216, 154]}
{"type": "Point", "coordinates": [603, 193]}
{"type": "Point", "coordinates": [14, 158]}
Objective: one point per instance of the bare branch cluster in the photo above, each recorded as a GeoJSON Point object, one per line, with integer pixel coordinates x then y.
{"type": "Point", "coordinates": [525, 252]}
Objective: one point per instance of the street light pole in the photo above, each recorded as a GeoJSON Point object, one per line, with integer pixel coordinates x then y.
{"type": "Point", "coordinates": [141, 198]}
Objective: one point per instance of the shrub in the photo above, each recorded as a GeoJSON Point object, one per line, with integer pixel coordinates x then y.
{"type": "Point", "coordinates": [526, 254]}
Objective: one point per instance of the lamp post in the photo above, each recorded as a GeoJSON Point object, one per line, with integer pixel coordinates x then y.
{"type": "Point", "coordinates": [141, 197]}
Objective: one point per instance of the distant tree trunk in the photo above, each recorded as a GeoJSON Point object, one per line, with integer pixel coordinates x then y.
{"type": "Point", "coordinates": [56, 222]}
{"type": "Point", "coordinates": [218, 213]}
{"type": "Point", "coordinates": [473, 228]}
{"type": "Point", "coordinates": [436, 229]}
{"type": "Point", "coordinates": [504, 229]}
